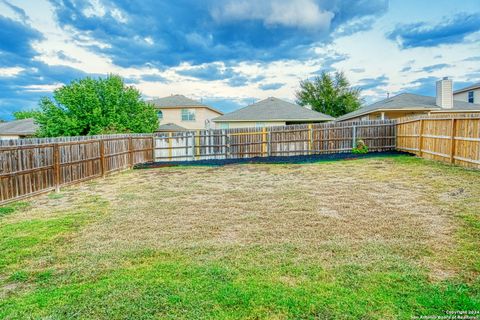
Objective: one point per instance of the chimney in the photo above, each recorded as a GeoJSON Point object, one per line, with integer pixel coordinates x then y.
{"type": "Point", "coordinates": [445, 93]}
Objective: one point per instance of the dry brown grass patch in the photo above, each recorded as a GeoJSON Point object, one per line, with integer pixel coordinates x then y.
{"type": "Point", "coordinates": [332, 213]}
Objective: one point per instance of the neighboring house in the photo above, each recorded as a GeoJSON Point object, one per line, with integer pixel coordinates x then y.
{"type": "Point", "coordinates": [470, 94]}
{"type": "Point", "coordinates": [184, 112]}
{"type": "Point", "coordinates": [18, 129]}
{"type": "Point", "coordinates": [269, 112]}
{"type": "Point", "coordinates": [408, 104]}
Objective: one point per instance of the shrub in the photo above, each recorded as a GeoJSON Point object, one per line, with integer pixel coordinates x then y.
{"type": "Point", "coordinates": [360, 147]}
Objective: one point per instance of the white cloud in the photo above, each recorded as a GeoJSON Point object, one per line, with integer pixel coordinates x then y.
{"type": "Point", "coordinates": [98, 9]}
{"type": "Point", "coordinates": [10, 72]}
{"type": "Point", "coordinates": [149, 40]}
{"type": "Point", "coordinates": [304, 14]}
{"type": "Point", "coordinates": [42, 87]}
{"type": "Point", "coordinates": [119, 15]}
{"type": "Point", "coordinates": [7, 11]}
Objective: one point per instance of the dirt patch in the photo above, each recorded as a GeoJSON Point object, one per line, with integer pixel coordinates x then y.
{"type": "Point", "coordinates": [455, 194]}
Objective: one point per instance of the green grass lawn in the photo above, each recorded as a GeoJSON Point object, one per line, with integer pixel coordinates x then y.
{"type": "Point", "coordinates": [378, 238]}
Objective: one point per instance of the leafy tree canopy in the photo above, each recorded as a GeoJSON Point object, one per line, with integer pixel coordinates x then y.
{"type": "Point", "coordinates": [26, 114]}
{"type": "Point", "coordinates": [329, 94]}
{"type": "Point", "coordinates": [95, 106]}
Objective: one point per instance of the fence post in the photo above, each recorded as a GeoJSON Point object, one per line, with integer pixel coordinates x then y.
{"type": "Point", "coordinates": [170, 153]}
{"type": "Point", "coordinates": [395, 139]}
{"type": "Point", "coordinates": [420, 137]}
{"type": "Point", "coordinates": [264, 142]}
{"type": "Point", "coordinates": [193, 145]}
{"type": "Point", "coordinates": [102, 157]}
{"type": "Point", "coordinates": [227, 144]}
{"type": "Point", "coordinates": [197, 145]}
{"type": "Point", "coordinates": [269, 145]}
{"type": "Point", "coordinates": [56, 166]}
{"type": "Point", "coordinates": [310, 138]}
{"type": "Point", "coordinates": [354, 136]}
{"type": "Point", "coordinates": [153, 147]}
{"type": "Point", "coordinates": [452, 141]}
{"type": "Point", "coordinates": [208, 150]}
{"type": "Point", "coordinates": [130, 151]}
{"type": "Point", "coordinates": [185, 137]}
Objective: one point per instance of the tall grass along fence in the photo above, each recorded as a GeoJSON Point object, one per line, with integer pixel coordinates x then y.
{"type": "Point", "coordinates": [32, 166]}
{"type": "Point", "coordinates": [449, 138]}
{"type": "Point", "coordinates": [304, 139]}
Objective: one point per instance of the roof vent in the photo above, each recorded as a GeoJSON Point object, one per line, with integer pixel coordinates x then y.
{"type": "Point", "coordinates": [445, 93]}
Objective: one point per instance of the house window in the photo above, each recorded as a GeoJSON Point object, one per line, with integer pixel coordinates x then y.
{"type": "Point", "coordinates": [259, 124]}
{"type": "Point", "coordinates": [188, 115]}
{"type": "Point", "coordinates": [470, 96]}
{"type": "Point", "coordinates": [160, 115]}
{"type": "Point", "coordinates": [224, 126]}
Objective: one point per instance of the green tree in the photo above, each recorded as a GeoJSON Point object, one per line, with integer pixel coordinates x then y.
{"type": "Point", "coordinates": [329, 94]}
{"type": "Point", "coordinates": [95, 106]}
{"type": "Point", "coordinates": [25, 114]}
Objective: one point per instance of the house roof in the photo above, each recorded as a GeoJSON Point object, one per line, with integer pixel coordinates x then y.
{"type": "Point", "coordinates": [178, 100]}
{"type": "Point", "coordinates": [170, 127]}
{"type": "Point", "coordinates": [24, 127]}
{"type": "Point", "coordinates": [472, 87]}
{"type": "Point", "coordinates": [409, 101]}
{"type": "Point", "coordinates": [273, 109]}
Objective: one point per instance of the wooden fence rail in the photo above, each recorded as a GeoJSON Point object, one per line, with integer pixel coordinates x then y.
{"type": "Point", "coordinates": [454, 139]}
{"type": "Point", "coordinates": [303, 139]}
{"type": "Point", "coordinates": [32, 166]}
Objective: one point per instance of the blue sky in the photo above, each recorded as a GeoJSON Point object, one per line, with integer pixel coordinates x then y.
{"type": "Point", "coordinates": [229, 53]}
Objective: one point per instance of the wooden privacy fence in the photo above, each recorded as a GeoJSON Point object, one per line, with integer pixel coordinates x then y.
{"type": "Point", "coordinates": [33, 166]}
{"type": "Point", "coordinates": [454, 139]}
{"type": "Point", "coordinates": [304, 139]}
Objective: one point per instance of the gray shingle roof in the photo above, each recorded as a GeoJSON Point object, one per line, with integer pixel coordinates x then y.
{"type": "Point", "coordinates": [170, 127]}
{"type": "Point", "coordinates": [24, 127]}
{"type": "Point", "coordinates": [274, 109]}
{"type": "Point", "coordinates": [472, 87]}
{"type": "Point", "coordinates": [408, 101]}
{"type": "Point", "coordinates": [178, 100]}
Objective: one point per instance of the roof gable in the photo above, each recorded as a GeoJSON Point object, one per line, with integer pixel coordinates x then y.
{"type": "Point", "coordinates": [24, 127]}
{"type": "Point", "coordinates": [472, 87]}
{"type": "Point", "coordinates": [274, 109]}
{"type": "Point", "coordinates": [170, 127]}
{"type": "Point", "coordinates": [179, 101]}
